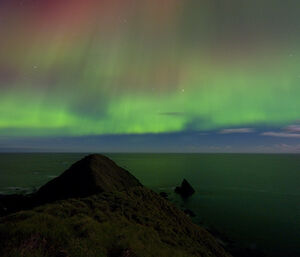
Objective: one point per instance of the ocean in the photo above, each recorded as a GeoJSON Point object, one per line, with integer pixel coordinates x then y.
{"type": "Point", "coordinates": [253, 199]}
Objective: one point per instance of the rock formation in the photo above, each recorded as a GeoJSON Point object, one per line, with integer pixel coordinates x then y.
{"type": "Point", "coordinates": [164, 195]}
{"type": "Point", "coordinates": [189, 212]}
{"type": "Point", "coordinates": [185, 190]}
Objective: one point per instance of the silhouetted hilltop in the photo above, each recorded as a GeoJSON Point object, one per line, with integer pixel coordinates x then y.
{"type": "Point", "coordinates": [93, 174]}
{"type": "Point", "coordinates": [106, 212]}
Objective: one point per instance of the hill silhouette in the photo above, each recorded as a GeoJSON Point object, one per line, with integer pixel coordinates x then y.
{"type": "Point", "coordinates": [93, 174]}
{"type": "Point", "coordinates": [97, 208]}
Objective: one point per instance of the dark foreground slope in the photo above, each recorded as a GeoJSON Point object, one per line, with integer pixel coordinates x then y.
{"type": "Point", "coordinates": [119, 218]}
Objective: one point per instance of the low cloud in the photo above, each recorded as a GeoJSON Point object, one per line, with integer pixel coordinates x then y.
{"type": "Point", "coordinates": [236, 130]}
{"type": "Point", "coordinates": [292, 131]}
{"type": "Point", "coordinates": [288, 148]}
{"type": "Point", "coordinates": [278, 148]}
{"type": "Point", "coordinates": [293, 128]}
{"type": "Point", "coordinates": [281, 134]}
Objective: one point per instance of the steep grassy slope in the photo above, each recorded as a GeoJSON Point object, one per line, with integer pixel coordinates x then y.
{"type": "Point", "coordinates": [131, 222]}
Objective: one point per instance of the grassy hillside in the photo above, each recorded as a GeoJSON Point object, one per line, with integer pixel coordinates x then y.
{"type": "Point", "coordinates": [132, 222]}
{"type": "Point", "coordinates": [106, 225]}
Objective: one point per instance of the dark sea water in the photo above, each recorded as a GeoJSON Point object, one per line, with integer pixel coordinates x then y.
{"type": "Point", "coordinates": [252, 199]}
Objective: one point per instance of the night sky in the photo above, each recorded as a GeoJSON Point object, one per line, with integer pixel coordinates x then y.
{"type": "Point", "coordinates": [150, 75]}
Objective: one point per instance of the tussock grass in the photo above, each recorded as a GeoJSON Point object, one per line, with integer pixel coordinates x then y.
{"type": "Point", "coordinates": [107, 224]}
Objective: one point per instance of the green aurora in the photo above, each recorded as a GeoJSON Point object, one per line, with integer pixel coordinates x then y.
{"type": "Point", "coordinates": [135, 67]}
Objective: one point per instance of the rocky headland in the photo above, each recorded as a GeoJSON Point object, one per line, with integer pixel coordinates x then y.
{"type": "Point", "coordinates": [96, 208]}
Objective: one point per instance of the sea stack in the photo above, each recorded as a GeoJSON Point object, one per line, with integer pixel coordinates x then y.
{"type": "Point", "coordinates": [185, 190]}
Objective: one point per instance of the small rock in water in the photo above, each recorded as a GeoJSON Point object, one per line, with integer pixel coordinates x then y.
{"type": "Point", "coordinates": [185, 190]}
{"type": "Point", "coordinates": [189, 213]}
{"type": "Point", "coordinates": [163, 194]}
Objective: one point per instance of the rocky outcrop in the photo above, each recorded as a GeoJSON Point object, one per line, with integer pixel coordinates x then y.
{"type": "Point", "coordinates": [14, 203]}
{"type": "Point", "coordinates": [189, 213]}
{"type": "Point", "coordinates": [164, 195]}
{"type": "Point", "coordinates": [185, 190]}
